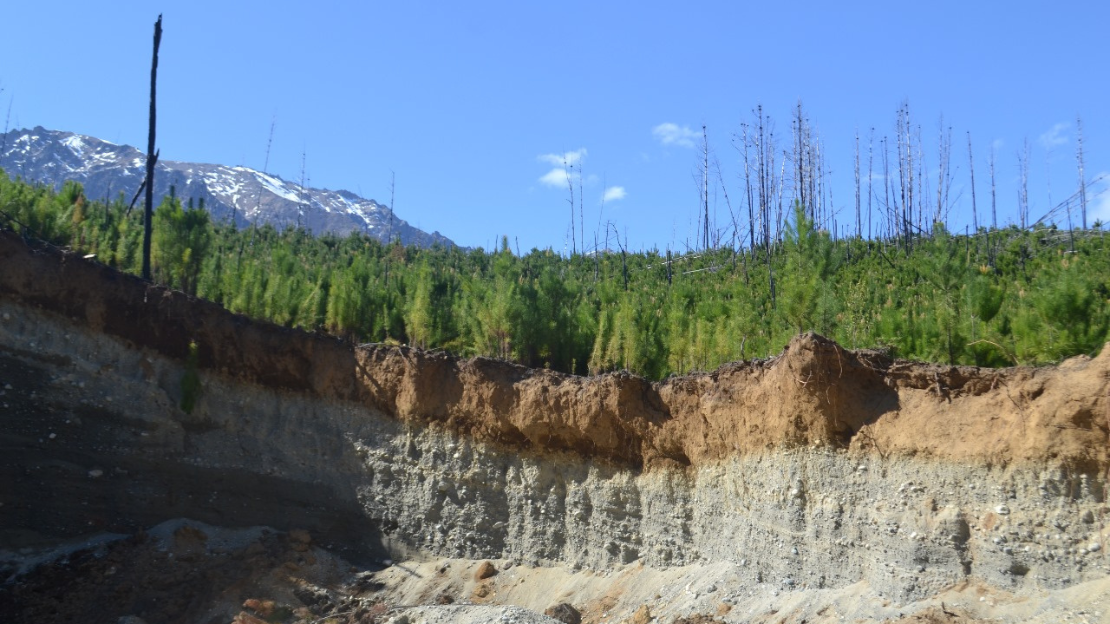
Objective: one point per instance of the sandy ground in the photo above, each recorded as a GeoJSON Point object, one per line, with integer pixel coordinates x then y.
{"type": "Point", "coordinates": [189, 572]}
{"type": "Point", "coordinates": [713, 593]}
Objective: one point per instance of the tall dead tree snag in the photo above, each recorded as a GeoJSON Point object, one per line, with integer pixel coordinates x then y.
{"type": "Point", "coordinates": [859, 221]}
{"type": "Point", "coordinates": [870, 177]}
{"type": "Point", "coordinates": [944, 174]}
{"type": "Point", "coordinates": [905, 191]}
{"type": "Point", "coordinates": [151, 156]}
{"type": "Point", "coordinates": [1023, 189]}
{"type": "Point", "coordinates": [994, 202]}
{"type": "Point", "coordinates": [1082, 178]}
{"type": "Point", "coordinates": [971, 169]}
{"type": "Point", "coordinates": [705, 180]}
{"type": "Point", "coordinates": [568, 167]}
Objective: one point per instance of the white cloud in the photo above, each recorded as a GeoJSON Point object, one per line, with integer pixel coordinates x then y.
{"type": "Point", "coordinates": [570, 159]}
{"type": "Point", "coordinates": [1055, 137]}
{"type": "Point", "coordinates": [564, 165]}
{"type": "Point", "coordinates": [674, 134]}
{"type": "Point", "coordinates": [614, 193]}
{"type": "Point", "coordinates": [557, 177]}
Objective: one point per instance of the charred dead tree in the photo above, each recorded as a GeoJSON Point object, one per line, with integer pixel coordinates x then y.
{"type": "Point", "coordinates": [889, 209]}
{"type": "Point", "coordinates": [151, 157]}
{"type": "Point", "coordinates": [810, 184]}
{"type": "Point", "coordinates": [7, 121]}
{"type": "Point", "coordinates": [994, 195]}
{"type": "Point", "coordinates": [908, 177]}
{"type": "Point", "coordinates": [735, 227]}
{"type": "Point", "coordinates": [758, 147]}
{"type": "Point", "coordinates": [971, 170]}
{"type": "Point", "coordinates": [745, 147]}
{"type": "Point", "coordinates": [859, 219]}
{"type": "Point", "coordinates": [389, 232]}
{"type": "Point", "coordinates": [302, 194]}
{"type": "Point", "coordinates": [581, 210]}
{"type": "Point", "coordinates": [1082, 177]}
{"type": "Point", "coordinates": [944, 173]}
{"type": "Point", "coordinates": [567, 168]}
{"type": "Point", "coordinates": [824, 208]}
{"type": "Point", "coordinates": [759, 162]}
{"type": "Point", "coordinates": [705, 184]}
{"type": "Point", "coordinates": [764, 187]}
{"type": "Point", "coordinates": [1023, 188]}
{"type": "Point", "coordinates": [870, 177]}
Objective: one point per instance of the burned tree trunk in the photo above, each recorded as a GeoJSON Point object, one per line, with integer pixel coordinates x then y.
{"type": "Point", "coordinates": [148, 213]}
{"type": "Point", "coordinates": [1082, 178]}
{"type": "Point", "coordinates": [971, 169]}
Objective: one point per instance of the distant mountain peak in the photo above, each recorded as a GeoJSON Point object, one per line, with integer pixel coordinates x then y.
{"type": "Point", "coordinates": [240, 193]}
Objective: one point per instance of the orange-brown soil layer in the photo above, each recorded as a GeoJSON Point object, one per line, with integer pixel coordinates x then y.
{"type": "Point", "coordinates": [815, 393]}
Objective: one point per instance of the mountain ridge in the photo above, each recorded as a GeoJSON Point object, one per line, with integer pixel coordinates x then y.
{"type": "Point", "coordinates": [237, 193]}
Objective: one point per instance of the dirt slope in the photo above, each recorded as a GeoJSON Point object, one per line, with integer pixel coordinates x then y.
{"type": "Point", "coordinates": [815, 393]}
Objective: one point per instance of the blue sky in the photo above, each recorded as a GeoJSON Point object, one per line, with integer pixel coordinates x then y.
{"type": "Point", "coordinates": [472, 105]}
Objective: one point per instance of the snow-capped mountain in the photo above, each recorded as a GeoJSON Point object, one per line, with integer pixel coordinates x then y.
{"type": "Point", "coordinates": [240, 193]}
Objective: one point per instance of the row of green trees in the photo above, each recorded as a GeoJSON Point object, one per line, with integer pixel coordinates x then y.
{"type": "Point", "coordinates": [995, 298]}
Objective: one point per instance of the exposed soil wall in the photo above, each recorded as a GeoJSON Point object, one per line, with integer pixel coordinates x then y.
{"type": "Point", "coordinates": [821, 468]}
{"type": "Point", "coordinates": [815, 393]}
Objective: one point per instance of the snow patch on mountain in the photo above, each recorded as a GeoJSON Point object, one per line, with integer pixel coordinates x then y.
{"type": "Point", "coordinates": [230, 193]}
{"type": "Point", "coordinates": [238, 194]}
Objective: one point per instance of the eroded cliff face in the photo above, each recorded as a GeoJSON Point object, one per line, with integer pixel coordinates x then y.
{"type": "Point", "coordinates": [820, 468]}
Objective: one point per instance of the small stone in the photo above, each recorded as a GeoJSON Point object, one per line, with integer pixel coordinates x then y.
{"type": "Point", "coordinates": [642, 615]}
{"type": "Point", "coordinates": [564, 613]}
{"type": "Point", "coordinates": [1094, 547]}
{"type": "Point", "coordinates": [52, 436]}
{"type": "Point", "coordinates": [96, 473]}
{"type": "Point", "coordinates": [1002, 510]}
{"type": "Point", "coordinates": [484, 571]}
{"type": "Point", "coordinates": [265, 608]}
{"type": "Point", "coordinates": [299, 540]}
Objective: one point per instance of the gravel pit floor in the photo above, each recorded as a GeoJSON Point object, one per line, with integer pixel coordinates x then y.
{"type": "Point", "coordinates": [187, 572]}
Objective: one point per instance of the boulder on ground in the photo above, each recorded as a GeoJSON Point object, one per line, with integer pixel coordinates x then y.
{"type": "Point", "coordinates": [564, 613]}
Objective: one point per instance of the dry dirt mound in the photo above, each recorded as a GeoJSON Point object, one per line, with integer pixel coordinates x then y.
{"type": "Point", "coordinates": [815, 393]}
